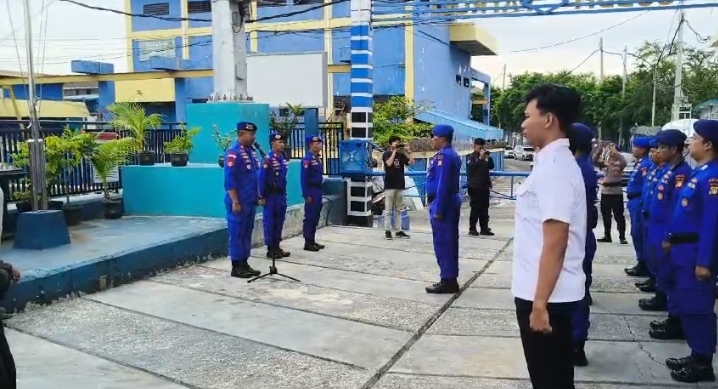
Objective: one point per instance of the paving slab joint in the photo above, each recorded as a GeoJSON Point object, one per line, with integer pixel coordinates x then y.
{"type": "Point", "coordinates": [429, 322]}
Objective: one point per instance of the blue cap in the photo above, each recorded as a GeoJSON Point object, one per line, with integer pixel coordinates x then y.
{"type": "Point", "coordinates": [442, 130]}
{"type": "Point", "coordinates": [671, 138]}
{"type": "Point", "coordinates": [642, 142]}
{"type": "Point", "coordinates": [246, 126]}
{"type": "Point", "coordinates": [582, 135]}
{"type": "Point", "coordinates": [652, 143]}
{"type": "Point", "coordinates": [275, 136]}
{"type": "Point", "coordinates": [312, 139]}
{"type": "Point", "coordinates": [707, 129]}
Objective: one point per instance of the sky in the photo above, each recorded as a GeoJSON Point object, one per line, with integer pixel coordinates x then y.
{"type": "Point", "coordinates": [64, 31]}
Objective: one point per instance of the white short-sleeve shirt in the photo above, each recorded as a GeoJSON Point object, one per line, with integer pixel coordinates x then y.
{"type": "Point", "coordinates": [554, 190]}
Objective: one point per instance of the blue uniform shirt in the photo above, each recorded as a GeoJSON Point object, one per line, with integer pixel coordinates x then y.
{"type": "Point", "coordinates": [696, 212]}
{"type": "Point", "coordinates": [445, 171]}
{"type": "Point", "coordinates": [312, 175]}
{"type": "Point", "coordinates": [638, 177]}
{"type": "Point", "coordinates": [590, 180]}
{"type": "Point", "coordinates": [273, 175]}
{"type": "Point", "coordinates": [665, 193]}
{"type": "Point", "coordinates": [649, 185]}
{"type": "Point", "coordinates": [240, 173]}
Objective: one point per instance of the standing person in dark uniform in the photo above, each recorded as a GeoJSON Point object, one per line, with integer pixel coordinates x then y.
{"type": "Point", "coordinates": [395, 160]}
{"type": "Point", "coordinates": [8, 374]}
{"type": "Point", "coordinates": [273, 191]}
{"type": "Point", "coordinates": [692, 239]}
{"type": "Point", "coordinates": [649, 185]}
{"type": "Point", "coordinates": [241, 168]}
{"type": "Point", "coordinates": [445, 208]}
{"type": "Point", "coordinates": [634, 191]}
{"type": "Point", "coordinates": [478, 181]}
{"type": "Point", "coordinates": [612, 163]}
{"type": "Point", "coordinates": [312, 177]}
{"type": "Point", "coordinates": [581, 146]}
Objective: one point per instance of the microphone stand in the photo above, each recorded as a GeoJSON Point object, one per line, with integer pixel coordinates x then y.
{"type": "Point", "coordinates": [273, 267]}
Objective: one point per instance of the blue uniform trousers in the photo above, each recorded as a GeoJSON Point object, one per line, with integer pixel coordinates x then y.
{"type": "Point", "coordinates": [275, 211]}
{"type": "Point", "coordinates": [695, 300]}
{"type": "Point", "coordinates": [635, 213]}
{"type": "Point", "coordinates": [663, 269]}
{"type": "Point", "coordinates": [647, 252]}
{"type": "Point", "coordinates": [581, 322]}
{"type": "Point", "coordinates": [240, 227]}
{"type": "Point", "coordinates": [445, 232]}
{"type": "Point", "coordinates": [312, 213]}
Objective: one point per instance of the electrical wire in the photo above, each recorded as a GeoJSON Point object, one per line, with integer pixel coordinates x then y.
{"type": "Point", "coordinates": [584, 61]}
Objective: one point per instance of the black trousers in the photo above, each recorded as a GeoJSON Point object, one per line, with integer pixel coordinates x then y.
{"type": "Point", "coordinates": [479, 202]}
{"type": "Point", "coordinates": [8, 375]}
{"type": "Point", "coordinates": [549, 357]}
{"type": "Point", "coordinates": [613, 204]}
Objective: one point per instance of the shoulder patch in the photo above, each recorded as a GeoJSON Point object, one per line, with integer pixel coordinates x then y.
{"type": "Point", "coordinates": [713, 187]}
{"type": "Point", "coordinates": [306, 164]}
{"type": "Point", "coordinates": [680, 179]}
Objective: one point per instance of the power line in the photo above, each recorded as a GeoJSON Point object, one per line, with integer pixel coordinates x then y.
{"type": "Point", "coordinates": [584, 61]}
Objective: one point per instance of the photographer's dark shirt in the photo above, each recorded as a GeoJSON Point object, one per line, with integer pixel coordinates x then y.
{"type": "Point", "coordinates": [477, 171]}
{"type": "Point", "coordinates": [394, 178]}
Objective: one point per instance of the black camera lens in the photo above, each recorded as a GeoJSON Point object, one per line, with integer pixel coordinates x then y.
{"type": "Point", "coordinates": [400, 145]}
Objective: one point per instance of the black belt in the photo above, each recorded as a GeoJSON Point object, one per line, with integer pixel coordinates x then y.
{"type": "Point", "coordinates": [683, 238]}
{"type": "Point", "coordinates": [632, 196]}
{"type": "Point", "coordinates": [274, 190]}
{"type": "Point", "coordinates": [646, 214]}
{"type": "Point", "coordinates": [430, 198]}
{"type": "Point", "coordinates": [611, 184]}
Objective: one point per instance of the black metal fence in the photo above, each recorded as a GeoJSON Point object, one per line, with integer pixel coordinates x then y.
{"type": "Point", "coordinates": [81, 179]}
{"type": "Point", "coordinates": [331, 133]}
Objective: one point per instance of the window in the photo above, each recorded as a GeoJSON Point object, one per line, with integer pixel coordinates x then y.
{"type": "Point", "coordinates": [467, 83]}
{"type": "Point", "coordinates": [458, 79]}
{"type": "Point", "coordinates": [271, 3]}
{"type": "Point", "coordinates": [156, 9]}
{"type": "Point", "coordinates": [199, 7]}
{"type": "Point", "coordinates": [156, 48]}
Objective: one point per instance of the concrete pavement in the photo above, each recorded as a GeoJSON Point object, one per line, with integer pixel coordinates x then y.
{"type": "Point", "coordinates": [359, 319]}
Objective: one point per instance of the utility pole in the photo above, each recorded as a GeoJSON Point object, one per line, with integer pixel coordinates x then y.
{"type": "Point", "coordinates": [503, 88]}
{"type": "Point", "coordinates": [36, 145]}
{"type": "Point", "coordinates": [678, 99]}
{"type": "Point", "coordinates": [229, 50]}
{"type": "Point", "coordinates": [624, 58]}
{"type": "Point", "coordinates": [600, 79]}
{"type": "Point", "coordinates": [653, 100]}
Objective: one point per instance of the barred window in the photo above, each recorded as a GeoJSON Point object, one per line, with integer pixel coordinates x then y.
{"type": "Point", "coordinates": [199, 7]}
{"type": "Point", "coordinates": [156, 9]}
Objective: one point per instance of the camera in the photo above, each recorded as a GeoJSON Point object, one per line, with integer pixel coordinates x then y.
{"type": "Point", "coordinates": [401, 145]}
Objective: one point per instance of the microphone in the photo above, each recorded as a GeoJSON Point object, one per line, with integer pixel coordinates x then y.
{"type": "Point", "coordinates": [259, 148]}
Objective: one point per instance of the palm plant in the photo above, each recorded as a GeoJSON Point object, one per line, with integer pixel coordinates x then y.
{"type": "Point", "coordinates": [132, 117]}
{"type": "Point", "coordinates": [108, 156]}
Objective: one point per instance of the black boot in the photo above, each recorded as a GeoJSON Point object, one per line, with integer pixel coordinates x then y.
{"type": "Point", "coordinates": [679, 363]}
{"type": "Point", "coordinates": [272, 253]}
{"type": "Point", "coordinates": [243, 270]}
{"type": "Point", "coordinates": [640, 270]}
{"type": "Point", "coordinates": [657, 303]}
{"type": "Point", "coordinates": [605, 239]}
{"type": "Point", "coordinates": [284, 254]}
{"type": "Point", "coordinates": [579, 355]}
{"type": "Point", "coordinates": [319, 246]}
{"type": "Point", "coordinates": [445, 286]}
{"type": "Point", "coordinates": [648, 287]}
{"type": "Point", "coordinates": [311, 246]}
{"type": "Point", "coordinates": [699, 370]}
{"type": "Point", "coordinates": [668, 329]}
{"type": "Point", "coordinates": [473, 232]}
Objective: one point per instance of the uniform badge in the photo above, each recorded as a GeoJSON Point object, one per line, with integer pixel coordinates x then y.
{"type": "Point", "coordinates": [679, 180]}
{"type": "Point", "coordinates": [306, 164]}
{"type": "Point", "coordinates": [249, 167]}
{"type": "Point", "coordinates": [660, 196]}
{"type": "Point", "coordinates": [660, 187]}
{"type": "Point", "coordinates": [266, 165]}
{"type": "Point", "coordinates": [684, 202]}
{"type": "Point", "coordinates": [230, 163]}
{"type": "Point", "coordinates": [644, 171]}
{"type": "Point", "coordinates": [713, 189]}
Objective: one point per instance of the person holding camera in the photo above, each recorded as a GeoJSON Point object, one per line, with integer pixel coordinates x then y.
{"type": "Point", "coordinates": [478, 183]}
{"type": "Point", "coordinates": [396, 158]}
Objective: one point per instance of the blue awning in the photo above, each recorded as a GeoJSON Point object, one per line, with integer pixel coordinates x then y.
{"type": "Point", "coordinates": [462, 127]}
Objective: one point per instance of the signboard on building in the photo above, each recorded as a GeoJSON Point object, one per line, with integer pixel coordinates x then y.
{"type": "Point", "coordinates": [300, 78]}
{"type": "Point", "coordinates": [515, 6]}
{"type": "Point", "coordinates": [156, 48]}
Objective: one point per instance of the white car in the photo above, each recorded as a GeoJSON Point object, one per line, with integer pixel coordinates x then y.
{"type": "Point", "coordinates": [524, 153]}
{"type": "Point", "coordinates": [508, 152]}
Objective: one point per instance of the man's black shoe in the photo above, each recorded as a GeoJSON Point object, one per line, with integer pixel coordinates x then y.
{"type": "Point", "coordinates": [319, 246]}
{"type": "Point", "coordinates": [695, 372]}
{"type": "Point", "coordinates": [274, 253]}
{"type": "Point", "coordinates": [579, 357]}
{"type": "Point", "coordinates": [644, 283]}
{"type": "Point", "coordinates": [486, 233]}
{"type": "Point", "coordinates": [670, 331]}
{"type": "Point", "coordinates": [387, 235]}
{"type": "Point", "coordinates": [402, 235]}
{"type": "Point", "coordinates": [640, 270]}
{"type": "Point", "coordinates": [648, 288]}
{"type": "Point", "coordinates": [623, 241]}
{"type": "Point", "coordinates": [243, 270]}
{"type": "Point", "coordinates": [661, 323]}
{"type": "Point", "coordinates": [473, 233]}
{"type": "Point", "coordinates": [284, 254]}
{"type": "Point", "coordinates": [656, 303]}
{"type": "Point", "coordinates": [679, 363]}
{"type": "Point", "coordinates": [308, 246]}
{"type": "Point", "coordinates": [444, 287]}
{"type": "Point", "coordinates": [605, 239]}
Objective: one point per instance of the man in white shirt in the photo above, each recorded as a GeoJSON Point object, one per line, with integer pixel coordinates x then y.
{"type": "Point", "coordinates": [548, 283]}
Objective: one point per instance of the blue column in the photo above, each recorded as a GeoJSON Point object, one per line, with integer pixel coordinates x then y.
{"type": "Point", "coordinates": [311, 126]}
{"type": "Point", "coordinates": [182, 98]}
{"type": "Point", "coordinates": [362, 104]}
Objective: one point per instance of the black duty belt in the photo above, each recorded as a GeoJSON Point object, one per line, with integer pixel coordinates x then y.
{"type": "Point", "coordinates": [274, 190]}
{"type": "Point", "coordinates": [611, 184]}
{"type": "Point", "coordinates": [632, 196]}
{"type": "Point", "coordinates": [683, 238]}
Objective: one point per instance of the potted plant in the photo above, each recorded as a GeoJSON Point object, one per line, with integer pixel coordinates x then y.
{"type": "Point", "coordinates": [223, 142]}
{"type": "Point", "coordinates": [180, 146]}
{"type": "Point", "coordinates": [77, 146]}
{"type": "Point", "coordinates": [54, 162]}
{"type": "Point", "coordinates": [105, 158]}
{"type": "Point", "coordinates": [23, 198]}
{"type": "Point", "coordinates": [133, 118]}
{"type": "Point", "coordinates": [285, 122]}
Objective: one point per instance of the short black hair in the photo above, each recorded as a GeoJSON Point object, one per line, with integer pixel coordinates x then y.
{"type": "Point", "coordinates": [393, 139]}
{"type": "Point", "coordinates": [558, 100]}
{"type": "Point", "coordinates": [479, 142]}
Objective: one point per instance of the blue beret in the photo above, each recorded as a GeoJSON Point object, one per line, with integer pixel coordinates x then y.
{"type": "Point", "coordinates": [582, 135]}
{"type": "Point", "coordinates": [707, 129]}
{"type": "Point", "coordinates": [442, 130]}
{"type": "Point", "coordinates": [671, 137]}
{"type": "Point", "coordinates": [246, 126]}
{"type": "Point", "coordinates": [652, 142]}
{"type": "Point", "coordinates": [276, 136]}
{"type": "Point", "coordinates": [643, 142]}
{"type": "Point", "coordinates": [312, 139]}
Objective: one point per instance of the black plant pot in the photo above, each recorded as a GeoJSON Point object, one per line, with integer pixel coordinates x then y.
{"type": "Point", "coordinates": [179, 159]}
{"type": "Point", "coordinates": [23, 206]}
{"type": "Point", "coordinates": [146, 158]}
{"type": "Point", "coordinates": [73, 214]}
{"type": "Point", "coordinates": [55, 205]}
{"type": "Point", "coordinates": [113, 209]}
{"type": "Point", "coordinates": [221, 161]}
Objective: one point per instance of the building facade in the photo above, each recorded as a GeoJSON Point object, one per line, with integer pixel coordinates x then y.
{"type": "Point", "coordinates": [428, 63]}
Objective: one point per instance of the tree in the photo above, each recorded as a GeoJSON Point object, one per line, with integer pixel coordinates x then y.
{"type": "Point", "coordinates": [394, 118]}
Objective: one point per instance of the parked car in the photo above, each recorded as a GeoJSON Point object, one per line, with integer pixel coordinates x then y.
{"type": "Point", "coordinates": [524, 153]}
{"type": "Point", "coordinates": [508, 152]}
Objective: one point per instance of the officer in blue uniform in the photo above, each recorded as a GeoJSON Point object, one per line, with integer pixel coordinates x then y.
{"type": "Point", "coordinates": [312, 176]}
{"type": "Point", "coordinates": [654, 171]}
{"type": "Point", "coordinates": [273, 195]}
{"type": "Point", "coordinates": [580, 144]}
{"type": "Point", "coordinates": [692, 240]}
{"type": "Point", "coordinates": [641, 147]}
{"type": "Point", "coordinates": [675, 176]}
{"type": "Point", "coordinates": [445, 208]}
{"type": "Point", "coordinates": [241, 169]}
